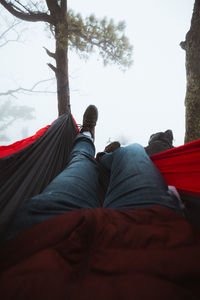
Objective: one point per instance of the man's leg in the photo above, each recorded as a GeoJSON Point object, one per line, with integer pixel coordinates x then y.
{"type": "Point", "coordinates": [74, 188]}
{"type": "Point", "coordinates": [135, 181]}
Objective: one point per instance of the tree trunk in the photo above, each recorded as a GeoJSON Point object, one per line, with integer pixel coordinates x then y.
{"type": "Point", "coordinates": [62, 74]}
{"type": "Point", "coordinates": [62, 78]}
{"type": "Point", "coordinates": [192, 100]}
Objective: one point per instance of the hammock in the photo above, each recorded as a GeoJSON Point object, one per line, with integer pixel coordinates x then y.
{"type": "Point", "coordinates": [27, 167]}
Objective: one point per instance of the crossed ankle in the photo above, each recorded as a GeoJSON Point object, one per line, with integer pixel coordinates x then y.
{"type": "Point", "coordinates": [88, 134]}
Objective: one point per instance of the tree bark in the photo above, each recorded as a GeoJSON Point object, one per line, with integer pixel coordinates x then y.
{"type": "Point", "coordinates": [62, 79]}
{"type": "Point", "coordinates": [62, 73]}
{"type": "Point", "coordinates": [192, 99]}
{"type": "Point", "coordinates": [59, 13]}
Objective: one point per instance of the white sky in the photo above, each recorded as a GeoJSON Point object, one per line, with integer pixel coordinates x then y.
{"type": "Point", "coordinates": [147, 98]}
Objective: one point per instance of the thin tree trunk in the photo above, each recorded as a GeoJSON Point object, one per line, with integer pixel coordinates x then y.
{"type": "Point", "coordinates": [62, 74]}
{"type": "Point", "coordinates": [192, 100]}
{"type": "Point", "coordinates": [62, 79]}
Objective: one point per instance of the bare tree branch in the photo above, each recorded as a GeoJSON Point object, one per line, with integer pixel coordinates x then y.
{"type": "Point", "coordinates": [183, 45]}
{"type": "Point", "coordinates": [25, 8]}
{"type": "Point", "coordinates": [30, 90]}
{"type": "Point", "coordinates": [8, 41]}
{"type": "Point", "coordinates": [42, 81]}
{"type": "Point", "coordinates": [53, 68]}
{"type": "Point", "coordinates": [51, 54]}
{"type": "Point", "coordinates": [27, 16]}
{"type": "Point", "coordinates": [2, 35]}
{"type": "Point", "coordinates": [11, 28]}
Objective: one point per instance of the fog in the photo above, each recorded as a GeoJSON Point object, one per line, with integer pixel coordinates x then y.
{"type": "Point", "coordinates": [147, 98]}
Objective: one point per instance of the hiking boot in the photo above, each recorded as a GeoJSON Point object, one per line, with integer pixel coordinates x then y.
{"type": "Point", "coordinates": [112, 147]}
{"type": "Point", "coordinates": [89, 120]}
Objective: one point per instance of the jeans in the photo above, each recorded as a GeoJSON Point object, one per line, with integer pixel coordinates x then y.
{"type": "Point", "coordinates": [134, 182]}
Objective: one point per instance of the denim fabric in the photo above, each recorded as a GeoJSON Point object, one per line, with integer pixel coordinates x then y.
{"type": "Point", "coordinates": [134, 182]}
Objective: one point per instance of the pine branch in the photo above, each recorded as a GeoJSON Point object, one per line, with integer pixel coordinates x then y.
{"type": "Point", "coordinates": [106, 37]}
{"type": "Point", "coordinates": [102, 44]}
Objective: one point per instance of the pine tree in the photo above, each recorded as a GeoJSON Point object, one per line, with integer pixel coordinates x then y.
{"type": "Point", "coordinates": [73, 32]}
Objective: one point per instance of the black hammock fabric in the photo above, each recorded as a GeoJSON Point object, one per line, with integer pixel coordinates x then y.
{"type": "Point", "coordinates": [28, 171]}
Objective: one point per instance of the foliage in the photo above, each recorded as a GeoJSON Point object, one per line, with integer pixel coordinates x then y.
{"type": "Point", "coordinates": [82, 35]}
{"type": "Point", "coordinates": [86, 36]}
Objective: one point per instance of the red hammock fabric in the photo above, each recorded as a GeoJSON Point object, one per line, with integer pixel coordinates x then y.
{"type": "Point", "coordinates": [19, 145]}
{"type": "Point", "coordinates": [180, 167]}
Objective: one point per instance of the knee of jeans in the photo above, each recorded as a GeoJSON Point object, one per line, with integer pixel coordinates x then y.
{"type": "Point", "coordinates": [136, 146]}
{"type": "Point", "coordinates": [131, 149]}
{"type": "Point", "coordinates": [128, 152]}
